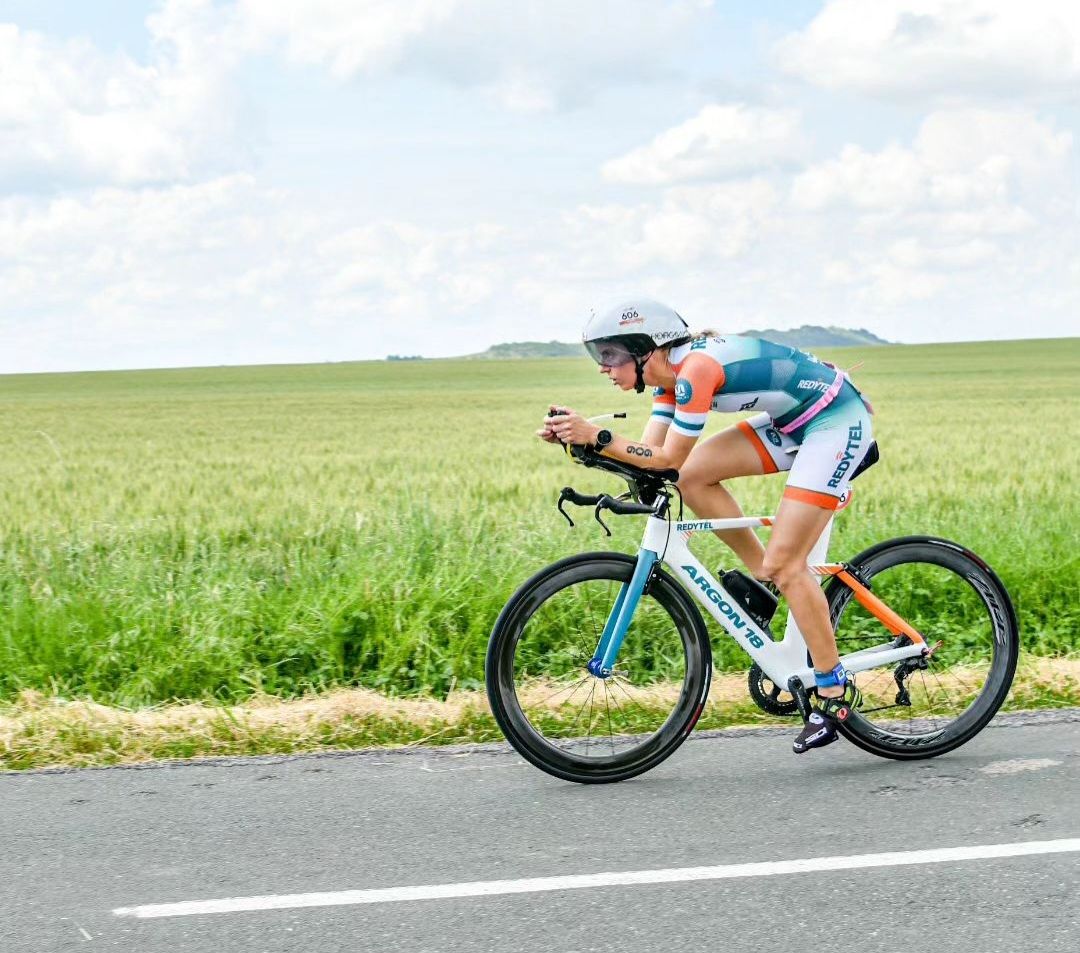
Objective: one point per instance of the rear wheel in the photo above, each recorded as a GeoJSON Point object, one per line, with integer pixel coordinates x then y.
{"type": "Point", "coordinates": [920, 708]}
{"type": "Point", "coordinates": [577, 726]}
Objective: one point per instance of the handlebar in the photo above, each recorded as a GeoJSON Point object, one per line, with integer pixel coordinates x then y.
{"type": "Point", "coordinates": [603, 501]}
{"type": "Point", "coordinates": [622, 508]}
{"type": "Point", "coordinates": [570, 495]}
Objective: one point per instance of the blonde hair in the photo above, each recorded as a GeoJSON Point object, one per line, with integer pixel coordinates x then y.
{"type": "Point", "coordinates": [697, 336]}
{"type": "Point", "coordinates": [665, 351]}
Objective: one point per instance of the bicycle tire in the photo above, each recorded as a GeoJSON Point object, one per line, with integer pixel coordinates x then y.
{"type": "Point", "coordinates": [664, 597]}
{"type": "Point", "coordinates": [993, 628]}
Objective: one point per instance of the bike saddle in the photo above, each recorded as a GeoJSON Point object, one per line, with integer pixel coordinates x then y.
{"type": "Point", "coordinates": [872, 457]}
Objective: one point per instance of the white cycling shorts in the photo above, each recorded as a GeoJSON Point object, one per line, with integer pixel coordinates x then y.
{"type": "Point", "coordinates": [820, 466]}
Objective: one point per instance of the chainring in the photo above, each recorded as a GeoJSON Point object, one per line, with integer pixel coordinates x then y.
{"type": "Point", "coordinates": [769, 696]}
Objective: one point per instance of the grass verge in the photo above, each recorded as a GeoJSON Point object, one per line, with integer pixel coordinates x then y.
{"type": "Point", "coordinates": [37, 731]}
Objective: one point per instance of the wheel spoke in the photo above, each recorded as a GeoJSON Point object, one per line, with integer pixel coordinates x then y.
{"type": "Point", "coordinates": [633, 701]}
{"type": "Point", "coordinates": [607, 706]}
{"type": "Point", "coordinates": [581, 681]}
{"type": "Point", "coordinates": [577, 716]}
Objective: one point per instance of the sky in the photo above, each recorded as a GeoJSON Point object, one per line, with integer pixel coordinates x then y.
{"type": "Point", "coordinates": [188, 183]}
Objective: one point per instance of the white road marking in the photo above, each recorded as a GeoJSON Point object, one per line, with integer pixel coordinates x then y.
{"type": "Point", "coordinates": [491, 888]}
{"type": "Point", "coordinates": [1016, 765]}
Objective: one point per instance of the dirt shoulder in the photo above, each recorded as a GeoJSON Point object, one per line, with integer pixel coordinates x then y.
{"type": "Point", "coordinates": [37, 731]}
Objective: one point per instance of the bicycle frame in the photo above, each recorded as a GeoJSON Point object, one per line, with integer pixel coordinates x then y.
{"type": "Point", "coordinates": [667, 542]}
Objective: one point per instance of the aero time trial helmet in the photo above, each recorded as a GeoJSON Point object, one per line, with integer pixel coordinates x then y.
{"type": "Point", "coordinates": [631, 331]}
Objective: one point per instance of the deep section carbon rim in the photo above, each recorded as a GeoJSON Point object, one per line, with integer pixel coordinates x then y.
{"type": "Point", "coordinates": [921, 708]}
{"type": "Point", "coordinates": [578, 726]}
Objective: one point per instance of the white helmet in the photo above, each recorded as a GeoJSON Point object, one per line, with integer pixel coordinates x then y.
{"type": "Point", "coordinates": [631, 331]}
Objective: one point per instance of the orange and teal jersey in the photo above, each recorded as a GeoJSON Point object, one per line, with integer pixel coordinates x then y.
{"type": "Point", "coordinates": [734, 373]}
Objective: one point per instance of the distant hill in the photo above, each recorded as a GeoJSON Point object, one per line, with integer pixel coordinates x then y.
{"type": "Point", "coordinates": [812, 335]}
{"type": "Point", "coordinates": [530, 349]}
{"type": "Point", "coordinates": [809, 335]}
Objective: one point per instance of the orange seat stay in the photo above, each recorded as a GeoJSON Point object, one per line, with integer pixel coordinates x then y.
{"type": "Point", "coordinates": [893, 622]}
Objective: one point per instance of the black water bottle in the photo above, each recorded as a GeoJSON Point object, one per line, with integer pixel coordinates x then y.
{"type": "Point", "coordinates": [752, 596]}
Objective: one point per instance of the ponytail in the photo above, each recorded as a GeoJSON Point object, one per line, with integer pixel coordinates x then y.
{"type": "Point", "coordinates": [697, 336]}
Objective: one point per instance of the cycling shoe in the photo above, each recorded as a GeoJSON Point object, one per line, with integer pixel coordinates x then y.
{"type": "Point", "coordinates": [820, 728]}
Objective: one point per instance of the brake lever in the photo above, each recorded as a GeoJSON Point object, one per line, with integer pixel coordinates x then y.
{"type": "Point", "coordinates": [596, 514]}
{"type": "Point", "coordinates": [569, 495]}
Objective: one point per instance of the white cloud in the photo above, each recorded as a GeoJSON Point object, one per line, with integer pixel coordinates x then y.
{"type": "Point", "coordinates": [974, 202]}
{"type": "Point", "coordinates": [158, 276]}
{"type": "Point", "coordinates": [837, 272]}
{"type": "Point", "coordinates": [968, 160]}
{"type": "Point", "coordinates": [917, 253]}
{"type": "Point", "coordinates": [532, 55]}
{"type": "Point", "coordinates": [982, 48]}
{"type": "Point", "coordinates": [961, 139]}
{"type": "Point", "coordinates": [71, 113]}
{"type": "Point", "coordinates": [687, 226]}
{"type": "Point", "coordinates": [411, 271]}
{"type": "Point", "coordinates": [865, 179]}
{"type": "Point", "coordinates": [347, 38]}
{"type": "Point", "coordinates": [721, 140]}
{"type": "Point", "coordinates": [891, 285]}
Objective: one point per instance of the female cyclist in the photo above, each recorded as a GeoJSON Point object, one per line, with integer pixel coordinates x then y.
{"type": "Point", "coordinates": [804, 405]}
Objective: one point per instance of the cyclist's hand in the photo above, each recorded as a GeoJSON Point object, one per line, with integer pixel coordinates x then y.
{"type": "Point", "coordinates": [547, 431]}
{"type": "Point", "coordinates": [570, 427]}
{"type": "Point", "coordinates": [546, 434]}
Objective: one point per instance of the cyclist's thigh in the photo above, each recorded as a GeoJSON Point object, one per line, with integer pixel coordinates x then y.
{"type": "Point", "coordinates": [828, 455]}
{"type": "Point", "coordinates": [750, 448]}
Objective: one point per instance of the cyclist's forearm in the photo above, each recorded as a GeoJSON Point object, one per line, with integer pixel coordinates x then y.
{"type": "Point", "coordinates": [640, 453]}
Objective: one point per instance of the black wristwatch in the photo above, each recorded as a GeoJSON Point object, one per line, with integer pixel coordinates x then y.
{"type": "Point", "coordinates": [602, 440]}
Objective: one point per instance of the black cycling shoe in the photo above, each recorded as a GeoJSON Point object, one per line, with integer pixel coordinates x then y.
{"type": "Point", "coordinates": [820, 729]}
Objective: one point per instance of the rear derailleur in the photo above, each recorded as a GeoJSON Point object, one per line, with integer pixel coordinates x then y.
{"type": "Point", "coordinates": [905, 669]}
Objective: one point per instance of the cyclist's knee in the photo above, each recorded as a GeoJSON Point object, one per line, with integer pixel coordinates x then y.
{"type": "Point", "coordinates": [688, 479]}
{"type": "Point", "coordinates": [782, 570]}
{"type": "Point", "coordinates": [694, 476]}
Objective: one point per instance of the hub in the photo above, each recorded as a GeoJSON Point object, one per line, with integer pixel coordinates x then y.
{"type": "Point", "coordinates": [596, 667]}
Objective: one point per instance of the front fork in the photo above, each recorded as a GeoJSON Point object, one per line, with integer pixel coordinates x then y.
{"type": "Point", "coordinates": [602, 664]}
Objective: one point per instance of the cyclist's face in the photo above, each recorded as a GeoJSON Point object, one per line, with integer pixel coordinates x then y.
{"type": "Point", "coordinates": [623, 376]}
{"type": "Point", "coordinates": [657, 372]}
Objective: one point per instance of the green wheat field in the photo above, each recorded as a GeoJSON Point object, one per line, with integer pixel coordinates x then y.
{"type": "Point", "coordinates": [219, 533]}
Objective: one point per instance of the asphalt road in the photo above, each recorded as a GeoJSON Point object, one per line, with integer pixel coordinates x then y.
{"type": "Point", "coordinates": [77, 846]}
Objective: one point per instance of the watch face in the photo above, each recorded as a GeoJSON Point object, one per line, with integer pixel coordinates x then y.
{"type": "Point", "coordinates": [603, 438]}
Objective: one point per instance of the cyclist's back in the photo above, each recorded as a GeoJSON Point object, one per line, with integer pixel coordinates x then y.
{"type": "Point", "coordinates": [732, 373]}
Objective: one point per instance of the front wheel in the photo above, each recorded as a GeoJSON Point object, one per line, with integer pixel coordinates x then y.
{"type": "Point", "coordinates": [577, 726]}
{"type": "Point", "coordinates": [920, 708]}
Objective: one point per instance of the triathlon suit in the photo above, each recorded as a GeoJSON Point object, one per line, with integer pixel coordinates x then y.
{"type": "Point", "coordinates": [792, 390]}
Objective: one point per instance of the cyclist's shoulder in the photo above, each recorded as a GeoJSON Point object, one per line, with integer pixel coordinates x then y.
{"type": "Point", "coordinates": [700, 363]}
